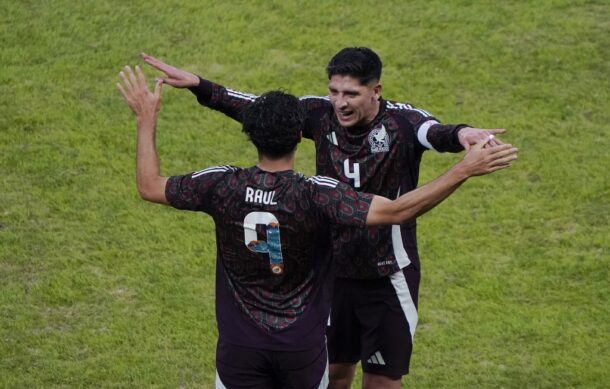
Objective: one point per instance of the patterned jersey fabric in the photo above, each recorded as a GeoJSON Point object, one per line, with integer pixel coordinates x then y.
{"type": "Point", "coordinates": [273, 235]}
{"type": "Point", "coordinates": [382, 158]}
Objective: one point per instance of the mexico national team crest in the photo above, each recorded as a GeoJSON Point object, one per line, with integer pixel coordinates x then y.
{"type": "Point", "coordinates": [379, 140]}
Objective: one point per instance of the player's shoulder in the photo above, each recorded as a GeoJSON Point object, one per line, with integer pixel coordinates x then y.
{"type": "Point", "coordinates": [314, 98]}
{"type": "Point", "coordinates": [322, 181]}
{"type": "Point", "coordinates": [215, 171]}
{"type": "Point", "coordinates": [404, 109]}
{"type": "Point", "coordinates": [312, 102]}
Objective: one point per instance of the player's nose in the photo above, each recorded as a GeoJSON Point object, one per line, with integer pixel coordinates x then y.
{"type": "Point", "coordinates": [341, 103]}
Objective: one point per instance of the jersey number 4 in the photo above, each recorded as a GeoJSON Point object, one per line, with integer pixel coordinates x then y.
{"type": "Point", "coordinates": [272, 246]}
{"type": "Point", "coordinates": [353, 172]}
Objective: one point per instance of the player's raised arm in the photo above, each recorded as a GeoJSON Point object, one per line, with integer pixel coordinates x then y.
{"type": "Point", "coordinates": [479, 160]}
{"type": "Point", "coordinates": [145, 104]}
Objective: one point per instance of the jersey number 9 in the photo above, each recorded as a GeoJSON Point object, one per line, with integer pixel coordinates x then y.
{"type": "Point", "coordinates": [272, 246]}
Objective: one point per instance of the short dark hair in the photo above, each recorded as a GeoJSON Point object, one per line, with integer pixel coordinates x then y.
{"type": "Point", "coordinates": [274, 123]}
{"type": "Point", "coordinates": [358, 62]}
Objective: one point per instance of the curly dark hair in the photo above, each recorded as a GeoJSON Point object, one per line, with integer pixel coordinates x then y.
{"type": "Point", "coordinates": [274, 123]}
{"type": "Point", "coordinates": [358, 62]}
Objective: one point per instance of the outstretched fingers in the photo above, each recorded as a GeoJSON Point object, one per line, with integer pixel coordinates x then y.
{"type": "Point", "coordinates": [141, 77]}
{"type": "Point", "coordinates": [500, 157]}
{"type": "Point", "coordinates": [122, 90]}
{"type": "Point", "coordinates": [133, 81]}
{"type": "Point", "coordinates": [157, 64]}
{"type": "Point", "coordinates": [125, 80]}
{"type": "Point", "coordinates": [132, 77]}
{"type": "Point", "coordinates": [505, 157]}
{"type": "Point", "coordinates": [500, 148]}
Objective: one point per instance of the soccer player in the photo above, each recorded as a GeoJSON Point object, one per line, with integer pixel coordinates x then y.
{"type": "Point", "coordinates": [376, 146]}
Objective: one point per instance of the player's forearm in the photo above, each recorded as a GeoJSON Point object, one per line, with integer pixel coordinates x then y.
{"type": "Point", "coordinates": [482, 158]}
{"type": "Point", "coordinates": [219, 98]}
{"type": "Point", "coordinates": [426, 197]}
{"type": "Point", "coordinates": [151, 186]}
{"type": "Point", "coordinates": [417, 202]}
{"type": "Point", "coordinates": [443, 137]}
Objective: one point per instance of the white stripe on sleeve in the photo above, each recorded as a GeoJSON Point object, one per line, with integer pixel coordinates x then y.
{"type": "Point", "coordinates": [324, 181]}
{"type": "Point", "coordinates": [422, 134]}
{"type": "Point", "coordinates": [314, 97]}
{"type": "Point", "coordinates": [213, 169]}
{"type": "Point", "coordinates": [241, 95]}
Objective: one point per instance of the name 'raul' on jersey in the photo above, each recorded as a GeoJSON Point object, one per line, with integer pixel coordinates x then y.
{"type": "Point", "coordinates": [259, 196]}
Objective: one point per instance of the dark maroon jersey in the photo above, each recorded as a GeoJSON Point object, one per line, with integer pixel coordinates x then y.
{"type": "Point", "coordinates": [382, 158]}
{"type": "Point", "coordinates": [273, 233]}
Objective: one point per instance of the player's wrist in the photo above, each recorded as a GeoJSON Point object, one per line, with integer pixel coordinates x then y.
{"type": "Point", "coordinates": [193, 81]}
{"type": "Point", "coordinates": [146, 121]}
{"type": "Point", "coordinates": [462, 170]}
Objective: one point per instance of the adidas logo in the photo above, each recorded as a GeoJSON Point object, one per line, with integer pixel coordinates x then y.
{"type": "Point", "coordinates": [376, 359]}
{"type": "Point", "coordinates": [332, 138]}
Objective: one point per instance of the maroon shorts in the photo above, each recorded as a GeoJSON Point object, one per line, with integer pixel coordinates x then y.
{"type": "Point", "coordinates": [373, 321]}
{"type": "Point", "coordinates": [252, 368]}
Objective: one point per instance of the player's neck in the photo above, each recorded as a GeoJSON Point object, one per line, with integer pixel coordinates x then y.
{"type": "Point", "coordinates": [276, 165]}
{"type": "Point", "coordinates": [370, 117]}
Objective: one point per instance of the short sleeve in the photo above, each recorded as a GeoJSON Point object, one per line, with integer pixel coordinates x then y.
{"type": "Point", "coordinates": [339, 203]}
{"type": "Point", "coordinates": [194, 191]}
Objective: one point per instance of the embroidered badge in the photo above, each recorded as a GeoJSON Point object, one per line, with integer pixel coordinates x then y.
{"type": "Point", "coordinates": [379, 140]}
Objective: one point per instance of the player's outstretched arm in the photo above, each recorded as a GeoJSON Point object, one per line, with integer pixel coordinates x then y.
{"type": "Point", "coordinates": [209, 94]}
{"type": "Point", "coordinates": [479, 160]}
{"type": "Point", "coordinates": [145, 104]}
{"type": "Point", "coordinates": [175, 77]}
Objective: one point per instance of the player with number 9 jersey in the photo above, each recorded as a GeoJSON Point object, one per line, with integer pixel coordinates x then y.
{"type": "Point", "coordinates": [272, 237]}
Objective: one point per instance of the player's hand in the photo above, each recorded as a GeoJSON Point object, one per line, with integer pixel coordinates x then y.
{"type": "Point", "coordinates": [175, 77]}
{"type": "Point", "coordinates": [468, 136]}
{"type": "Point", "coordinates": [144, 103]}
{"type": "Point", "coordinates": [485, 158]}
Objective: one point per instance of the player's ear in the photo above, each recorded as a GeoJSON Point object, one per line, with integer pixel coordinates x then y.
{"type": "Point", "coordinates": [377, 91]}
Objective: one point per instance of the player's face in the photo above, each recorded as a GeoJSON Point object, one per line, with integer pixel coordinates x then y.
{"type": "Point", "coordinates": [354, 104]}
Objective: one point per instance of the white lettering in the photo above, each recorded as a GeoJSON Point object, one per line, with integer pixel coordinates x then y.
{"type": "Point", "coordinates": [249, 195]}
{"type": "Point", "coordinates": [260, 196]}
{"type": "Point", "coordinates": [398, 105]}
{"type": "Point", "coordinates": [268, 198]}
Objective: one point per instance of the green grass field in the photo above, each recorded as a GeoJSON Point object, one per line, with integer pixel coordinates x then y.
{"type": "Point", "coordinates": [100, 289]}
